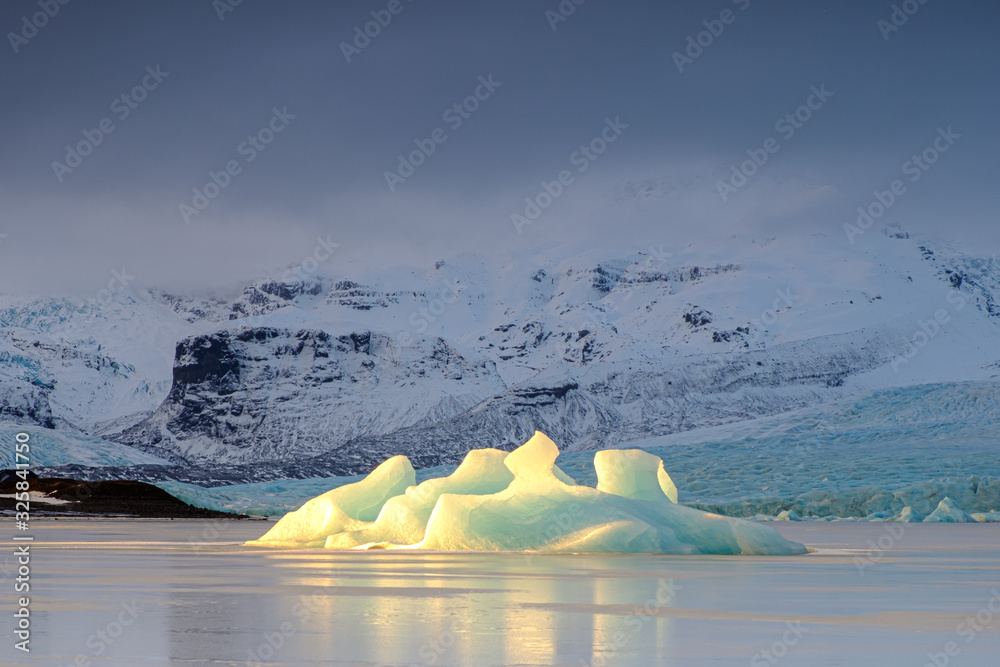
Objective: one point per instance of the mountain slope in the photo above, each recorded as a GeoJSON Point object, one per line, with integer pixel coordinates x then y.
{"type": "Point", "coordinates": [595, 347]}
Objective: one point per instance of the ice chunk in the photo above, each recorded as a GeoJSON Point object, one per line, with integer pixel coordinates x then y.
{"type": "Point", "coordinates": [948, 511]}
{"type": "Point", "coordinates": [788, 515]}
{"type": "Point", "coordinates": [908, 515]}
{"type": "Point", "coordinates": [403, 518]}
{"type": "Point", "coordinates": [344, 508]}
{"type": "Point", "coordinates": [633, 473]}
{"type": "Point", "coordinates": [521, 501]}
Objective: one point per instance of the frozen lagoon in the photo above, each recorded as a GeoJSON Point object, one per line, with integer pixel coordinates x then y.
{"type": "Point", "coordinates": [201, 598]}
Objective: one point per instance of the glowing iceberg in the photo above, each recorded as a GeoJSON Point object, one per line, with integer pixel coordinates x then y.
{"type": "Point", "coordinates": [344, 508]}
{"type": "Point", "coordinates": [521, 501]}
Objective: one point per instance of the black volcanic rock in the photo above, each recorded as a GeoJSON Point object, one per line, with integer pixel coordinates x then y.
{"type": "Point", "coordinates": [264, 393]}
{"type": "Point", "coordinates": [113, 497]}
{"type": "Point", "coordinates": [205, 360]}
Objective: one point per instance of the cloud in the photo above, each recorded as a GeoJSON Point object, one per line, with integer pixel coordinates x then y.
{"type": "Point", "coordinates": [325, 173]}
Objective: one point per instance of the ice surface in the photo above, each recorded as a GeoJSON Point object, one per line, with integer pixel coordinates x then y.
{"type": "Point", "coordinates": [201, 598]}
{"type": "Point", "coordinates": [522, 502]}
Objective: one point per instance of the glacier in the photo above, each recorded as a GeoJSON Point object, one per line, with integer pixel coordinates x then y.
{"type": "Point", "coordinates": [521, 501]}
{"type": "Point", "coordinates": [867, 457]}
{"type": "Point", "coordinates": [50, 447]}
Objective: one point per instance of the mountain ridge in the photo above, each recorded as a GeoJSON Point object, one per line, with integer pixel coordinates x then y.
{"type": "Point", "coordinates": [595, 349]}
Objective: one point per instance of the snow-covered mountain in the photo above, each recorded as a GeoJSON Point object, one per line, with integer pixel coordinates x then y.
{"type": "Point", "coordinates": [595, 347]}
{"type": "Point", "coordinates": [262, 393]}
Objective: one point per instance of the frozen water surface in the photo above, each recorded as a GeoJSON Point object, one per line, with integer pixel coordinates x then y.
{"type": "Point", "coordinates": [200, 598]}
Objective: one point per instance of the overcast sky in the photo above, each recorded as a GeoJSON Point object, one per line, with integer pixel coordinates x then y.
{"type": "Point", "coordinates": [221, 75]}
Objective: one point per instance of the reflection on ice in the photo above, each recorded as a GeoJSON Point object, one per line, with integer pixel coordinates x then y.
{"type": "Point", "coordinates": [200, 603]}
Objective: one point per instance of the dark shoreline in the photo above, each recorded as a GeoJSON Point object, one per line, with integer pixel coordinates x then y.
{"type": "Point", "coordinates": [111, 499]}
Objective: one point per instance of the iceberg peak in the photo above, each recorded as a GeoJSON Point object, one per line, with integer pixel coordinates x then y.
{"type": "Point", "coordinates": [534, 460]}
{"type": "Point", "coordinates": [633, 473]}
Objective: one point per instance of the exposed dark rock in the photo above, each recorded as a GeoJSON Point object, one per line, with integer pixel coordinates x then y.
{"type": "Point", "coordinates": [112, 497]}
{"type": "Point", "coordinates": [698, 318]}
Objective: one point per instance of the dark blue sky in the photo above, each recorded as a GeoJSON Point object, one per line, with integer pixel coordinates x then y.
{"type": "Point", "coordinates": [324, 172]}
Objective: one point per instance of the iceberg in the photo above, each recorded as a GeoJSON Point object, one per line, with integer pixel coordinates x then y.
{"type": "Point", "coordinates": [344, 508]}
{"type": "Point", "coordinates": [908, 515]}
{"type": "Point", "coordinates": [521, 502]}
{"type": "Point", "coordinates": [948, 511]}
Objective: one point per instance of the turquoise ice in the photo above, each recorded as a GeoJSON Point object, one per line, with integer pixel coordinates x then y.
{"type": "Point", "coordinates": [521, 501]}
